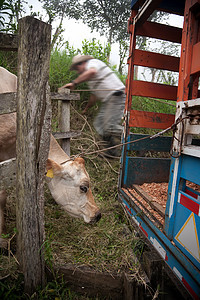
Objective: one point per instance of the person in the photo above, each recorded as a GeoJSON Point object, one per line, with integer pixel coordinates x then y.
{"type": "Point", "coordinates": [106, 87]}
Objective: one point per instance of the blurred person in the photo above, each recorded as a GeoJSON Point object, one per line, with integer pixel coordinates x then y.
{"type": "Point", "coordinates": [106, 87]}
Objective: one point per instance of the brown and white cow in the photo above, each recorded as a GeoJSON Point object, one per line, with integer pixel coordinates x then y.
{"type": "Point", "coordinates": [68, 180]}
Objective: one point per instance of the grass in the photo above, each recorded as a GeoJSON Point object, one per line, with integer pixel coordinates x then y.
{"type": "Point", "coordinates": [107, 246]}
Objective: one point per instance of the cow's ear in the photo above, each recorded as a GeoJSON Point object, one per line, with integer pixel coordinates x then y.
{"type": "Point", "coordinates": [52, 168]}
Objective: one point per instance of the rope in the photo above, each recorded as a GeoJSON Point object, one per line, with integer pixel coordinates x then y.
{"type": "Point", "coordinates": [172, 127]}
{"type": "Point", "coordinates": [96, 90]}
{"type": "Point", "coordinates": [114, 90]}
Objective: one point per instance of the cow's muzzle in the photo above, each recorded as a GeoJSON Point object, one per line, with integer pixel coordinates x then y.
{"type": "Point", "coordinates": [96, 218]}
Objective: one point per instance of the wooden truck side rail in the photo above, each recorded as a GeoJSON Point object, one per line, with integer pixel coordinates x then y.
{"type": "Point", "coordinates": [159, 182]}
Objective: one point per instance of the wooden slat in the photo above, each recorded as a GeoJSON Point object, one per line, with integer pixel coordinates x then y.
{"type": "Point", "coordinates": [170, 6]}
{"type": "Point", "coordinates": [147, 170]}
{"type": "Point", "coordinates": [155, 205]}
{"type": "Point", "coordinates": [159, 144]}
{"type": "Point", "coordinates": [153, 90]}
{"type": "Point", "coordinates": [146, 119]}
{"type": "Point", "coordinates": [160, 31]}
{"type": "Point", "coordinates": [7, 173]}
{"type": "Point", "coordinates": [145, 11]}
{"type": "Point", "coordinates": [156, 60]}
{"type": "Point", "coordinates": [91, 282]}
{"type": "Point", "coordinates": [65, 96]}
{"type": "Point", "coordinates": [137, 4]}
{"type": "Point", "coordinates": [66, 135]}
{"type": "Point", "coordinates": [7, 103]}
{"type": "Point", "coordinates": [186, 88]}
{"type": "Point", "coordinates": [8, 100]}
{"type": "Point", "coordinates": [195, 67]}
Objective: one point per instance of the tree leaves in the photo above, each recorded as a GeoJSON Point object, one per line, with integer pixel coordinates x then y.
{"type": "Point", "coordinates": [108, 17]}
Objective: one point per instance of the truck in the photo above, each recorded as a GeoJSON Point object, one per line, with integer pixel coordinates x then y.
{"type": "Point", "coordinates": [169, 157]}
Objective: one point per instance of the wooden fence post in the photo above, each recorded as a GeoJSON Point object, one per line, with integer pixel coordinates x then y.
{"type": "Point", "coordinates": [65, 123]}
{"type": "Point", "coordinates": [33, 135]}
{"type": "Point", "coordinates": [64, 97]}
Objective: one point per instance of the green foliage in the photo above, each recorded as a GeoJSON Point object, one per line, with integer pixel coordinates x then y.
{"type": "Point", "coordinates": [123, 50]}
{"type": "Point", "coordinates": [8, 60]}
{"type": "Point", "coordinates": [4, 6]}
{"type": "Point", "coordinates": [10, 12]}
{"type": "Point", "coordinates": [96, 49]}
{"type": "Point", "coordinates": [107, 17]}
{"type": "Point", "coordinates": [12, 289]}
{"type": "Point", "coordinates": [60, 62]}
{"type": "Point", "coordinates": [57, 290]}
{"type": "Point", "coordinates": [61, 8]}
{"type": "Point", "coordinates": [148, 104]}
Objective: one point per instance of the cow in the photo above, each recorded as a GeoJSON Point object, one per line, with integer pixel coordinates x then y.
{"type": "Point", "coordinates": [68, 180]}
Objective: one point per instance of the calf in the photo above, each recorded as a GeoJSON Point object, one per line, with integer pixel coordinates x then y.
{"type": "Point", "coordinates": [67, 179]}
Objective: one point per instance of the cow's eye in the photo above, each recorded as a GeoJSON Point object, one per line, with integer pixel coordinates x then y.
{"type": "Point", "coordinates": [83, 188]}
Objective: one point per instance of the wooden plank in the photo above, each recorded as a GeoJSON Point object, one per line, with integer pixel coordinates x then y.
{"type": "Point", "coordinates": [137, 4]}
{"type": "Point", "coordinates": [195, 67]}
{"type": "Point", "coordinates": [170, 6]}
{"type": "Point", "coordinates": [64, 117]}
{"type": "Point", "coordinates": [156, 60]}
{"type": "Point", "coordinates": [65, 96]}
{"type": "Point", "coordinates": [153, 90]}
{"type": "Point", "coordinates": [159, 144]}
{"type": "Point", "coordinates": [7, 103]}
{"type": "Point", "coordinates": [66, 135]}
{"type": "Point", "coordinates": [191, 150]}
{"type": "Point", "coordinates": [65, 122]}
{"type": "Point", "coordinates": [8, 42]}
{"type": "Point", "coordinates": [155, 205]}
{"type": "Point", "coordinates": [160, 31]}
{"type": "Point", "coordinates": [145, 11]}
{"type": "Point", "coordinates": [189, 38]}
{"type": "Point", "coordinates": [8, 100]}
{"type": "Point", "coordinates": [146, 119]}
{"type": "Point", "coordinates": [7, 173]}
{"type": "Point", "coordinates": [146, 170]}
{"type": "Point", "coordinates": [91, 282]}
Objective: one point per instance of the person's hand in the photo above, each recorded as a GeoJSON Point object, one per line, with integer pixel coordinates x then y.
{"type": "Point", "coordinates": [84, 111]}
{"type": "Point", "coordinates": [70, 86]}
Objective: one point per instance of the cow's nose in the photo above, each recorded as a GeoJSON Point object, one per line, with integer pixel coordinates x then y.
{"type": "Point", "coordinates": [97, 216]}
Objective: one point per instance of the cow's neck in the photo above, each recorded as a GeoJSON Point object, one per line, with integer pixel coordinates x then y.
{"type": "Point", "coordinates": [56, 153]}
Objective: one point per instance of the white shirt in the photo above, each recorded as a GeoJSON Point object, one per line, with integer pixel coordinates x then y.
{"type": "Point", "coordinates": [105, 79]}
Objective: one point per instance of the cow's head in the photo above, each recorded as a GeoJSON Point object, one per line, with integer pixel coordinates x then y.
{"type": "Point", "coordinates": [69, 184]}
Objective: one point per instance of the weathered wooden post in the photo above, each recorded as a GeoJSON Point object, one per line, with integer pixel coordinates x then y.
{"type": "Point", "coordinates": [65, 123]}
{"type": "Point", "coordinates": [64, 97]}
{"type": "Point", "coordinates": [33, 134]}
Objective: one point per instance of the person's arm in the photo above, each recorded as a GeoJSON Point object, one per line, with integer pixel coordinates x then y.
{"type": "Point", "coordinates": [92, 100]}
{"type": "Point", "coordinates": [85, 76]}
